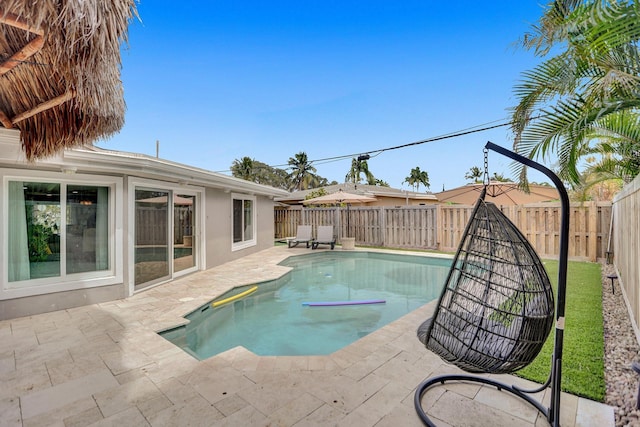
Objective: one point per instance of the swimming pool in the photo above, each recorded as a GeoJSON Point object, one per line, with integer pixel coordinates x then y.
{"type": "Point", "coordinates": [273, 321]}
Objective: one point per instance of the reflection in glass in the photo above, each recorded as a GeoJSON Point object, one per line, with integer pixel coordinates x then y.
{"type": "Point", "coordinates": [248, 220]}
{"type": "Point", "coordinates": [242, 220]}
{"type": "Point", "coordinates": [87, 228]}
{"type": "Point", "coordinates": [237, 220]}
{"type": "Point", "coordinates": [183, 220]}
{"type": "Point", "coordinates": [34, 230]}
{"type": "Point", "coordinates": [151, 241]}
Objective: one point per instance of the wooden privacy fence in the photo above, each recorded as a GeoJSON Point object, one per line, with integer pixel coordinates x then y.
{"type": "Point", "coordinates": [440, 227]}
{"type": "Point", "coordinates": [151, 225]}
{"type": "Point", "coordinates": [626, 245]}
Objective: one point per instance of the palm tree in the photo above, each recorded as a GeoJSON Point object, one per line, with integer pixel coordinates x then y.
{"type": "Point", "coordinates": [359, 167]}
{"type": "Point", "coordinates": [417, 177]}
{"type": "Point", "coordinates": [303, 173]}
{"type": "Point", "coordinates": [243, 169]}
{"type": "Point", "coordinates": [474, 174]}
{"type": "Point", "coordinates": [594, 75]}
{"type": "Point", "coordinates": [616, 153]}
{"type": "Point", "coordinates": [499, 177]}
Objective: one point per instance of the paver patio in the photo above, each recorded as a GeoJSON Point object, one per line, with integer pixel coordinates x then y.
{"type": "Point", "coordinates": [104, 364]}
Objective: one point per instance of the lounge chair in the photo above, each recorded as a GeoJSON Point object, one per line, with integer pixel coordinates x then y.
{"type": "Point", "coordinates": [303, 235]}
{"type": "Point", "coordinates": [325, 237]}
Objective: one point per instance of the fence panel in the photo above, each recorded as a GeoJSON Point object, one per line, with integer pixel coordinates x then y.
{"type": "Point", "coordinates": [286, 221]}
{"type": "Point", "coordinates": [626, 244]}
{"type": "Point", "coordinates": [363, 223]}
{"type": "Point", "coordinates": [453, 219]}
{"type": "Point", "coordinates": [442, 226]}
{"type": "Point", "coordinates": [410, 227]}
{"type": "Point", "coordinates": [151, 226]}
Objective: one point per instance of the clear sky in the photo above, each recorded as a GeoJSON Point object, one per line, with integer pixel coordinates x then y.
{"type": "Point", "coordinates": [215, 81]}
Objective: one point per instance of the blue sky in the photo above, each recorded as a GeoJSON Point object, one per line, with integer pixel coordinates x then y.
{"type": "Point", "coordinates": [215, 81]}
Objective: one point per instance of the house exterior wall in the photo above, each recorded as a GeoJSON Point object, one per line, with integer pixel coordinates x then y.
{"type": "Point", "coordinates": [213, 235]}
{"type": "Point", "coordinates": [67, 289]}
{"type": "Point", "coordinates": [36, 304]}
{"type": "Point", "coordinates": [218, 224]}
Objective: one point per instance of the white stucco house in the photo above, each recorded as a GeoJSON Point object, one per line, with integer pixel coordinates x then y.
{"type": "Point", "coordinates": [91, 225]}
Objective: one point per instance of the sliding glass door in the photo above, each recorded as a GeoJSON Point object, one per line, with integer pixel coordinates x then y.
{"type": "Point", "coordinates": [151, 251]}
{"type": "Point", "coordinates": [165, 240]}
{"type": "Point", "coordinates": [184, 250]}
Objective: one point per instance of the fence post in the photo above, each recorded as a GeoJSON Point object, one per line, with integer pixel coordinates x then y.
{"type": "Point", "coordinates": [382, 226]}
{"type": "Point", "coordinates": [439, 227]}
{"type": "Point", "coordinates": [593, 232]}
{"type": "Point", "coordinates": [338, 222]}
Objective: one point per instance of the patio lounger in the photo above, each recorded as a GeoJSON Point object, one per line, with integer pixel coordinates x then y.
{"type": "Point", "coordinates": [303, 235]}
{"type": "Point", "coordinates": [325, 237]}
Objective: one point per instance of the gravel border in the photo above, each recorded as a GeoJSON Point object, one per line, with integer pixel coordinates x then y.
{"type": "Point", "coordinates": [620, 350]}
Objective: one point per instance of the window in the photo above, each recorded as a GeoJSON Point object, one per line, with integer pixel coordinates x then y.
{"type": "Point", "coordinates": [57, 233]}
{"type": "Point", "coordinates": [243, 221]}
{"type": "Point", "coordinates": [34, 230]}
{"type": "Point", "coordinates": [87, 228]}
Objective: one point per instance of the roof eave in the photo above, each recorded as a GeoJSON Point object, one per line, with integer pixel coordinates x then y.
{"type": "Point", "coordinates": [151, 167]}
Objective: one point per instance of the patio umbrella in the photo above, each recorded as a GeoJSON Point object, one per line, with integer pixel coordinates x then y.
{"type": "Point", "coordinates": [500, 193]}
{"type": "Point", "coordinates": [340, 197]}
{"type": "Point", "coordinates": [177, 200]}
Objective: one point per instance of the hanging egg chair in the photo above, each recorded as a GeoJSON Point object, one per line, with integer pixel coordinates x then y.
{"type": "Point", "coordinates": [496, 309]}
{"type": "Point", "coordinates": [497, 306]}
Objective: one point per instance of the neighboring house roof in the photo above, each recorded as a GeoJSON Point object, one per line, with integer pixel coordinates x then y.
{"type": "Point", "coordinates": [60, 71]}
{"type": "Point", "coordinates": [500, 193]}
{"type": "Point", "coordinates": [297, 197]}
{"type": "Point", "coordinates": [92, 159]}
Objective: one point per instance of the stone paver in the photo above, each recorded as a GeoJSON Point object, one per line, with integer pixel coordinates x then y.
{"type": "Point", "coordinates": [104, 364]}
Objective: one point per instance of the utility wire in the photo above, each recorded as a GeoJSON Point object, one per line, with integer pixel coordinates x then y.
{"type": "Point", "coordinates": [373, 153]}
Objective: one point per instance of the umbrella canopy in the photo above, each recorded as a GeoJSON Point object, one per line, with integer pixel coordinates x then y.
{"type": "Point", "coordinates": [60, 71]}
{"type": "Point", "coordinates": [500, 193]}
{"type": "Point", "coordinates": [339, 197]}
{"type": "Point", "coordinates": [177, 200]}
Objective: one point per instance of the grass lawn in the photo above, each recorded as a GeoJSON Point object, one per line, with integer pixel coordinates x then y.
{"type": "Point", "coordinates": [583, 346]}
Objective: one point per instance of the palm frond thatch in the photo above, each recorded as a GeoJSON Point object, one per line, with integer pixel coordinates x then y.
{"type": "Point", "coordinates": [60, 71]}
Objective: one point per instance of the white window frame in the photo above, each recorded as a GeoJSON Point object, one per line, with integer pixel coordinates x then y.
{"type": "Point", "coordinates": [236, 246]}
{"type": "Point", "coordinates": [64, 282]}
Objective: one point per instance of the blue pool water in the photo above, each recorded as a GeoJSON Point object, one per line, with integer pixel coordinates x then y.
{"type": "Point", "coordinates": [274, 322]}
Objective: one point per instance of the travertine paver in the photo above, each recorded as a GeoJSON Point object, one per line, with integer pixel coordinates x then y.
{"type": "Point", "coordinates": [52, 398]}
{"type": "Point", "coordinates": [105, 365]}
{"type": "Point", "coordinates": [10, 411]}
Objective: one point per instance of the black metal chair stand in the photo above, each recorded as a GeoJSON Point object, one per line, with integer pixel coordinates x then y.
{"type": "Point", "coordinates": [488, 347]}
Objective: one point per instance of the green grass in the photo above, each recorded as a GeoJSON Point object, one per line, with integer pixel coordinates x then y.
{"type": "Point", "coordinates": [583, 346]}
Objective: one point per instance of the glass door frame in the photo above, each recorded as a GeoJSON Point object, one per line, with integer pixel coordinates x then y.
{"type": "Point", "coordinates": [156, 210]}
{"type": "Point", "coordinates": [195, 247]}
{"type": "Point", "coordinates": [198, 247]}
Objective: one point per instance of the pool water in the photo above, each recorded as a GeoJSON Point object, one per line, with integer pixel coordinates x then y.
{"type": "Point", "coordinates": [274, 322]}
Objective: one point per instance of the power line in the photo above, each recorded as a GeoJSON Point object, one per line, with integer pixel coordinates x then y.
{"type": "Point", "coordinates": [373, 153]}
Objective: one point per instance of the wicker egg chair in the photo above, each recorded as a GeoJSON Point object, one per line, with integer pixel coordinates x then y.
{"type": "Point", "coordinates": [497, 306]}
{"type": "Point", "coordinates": [496, 309]}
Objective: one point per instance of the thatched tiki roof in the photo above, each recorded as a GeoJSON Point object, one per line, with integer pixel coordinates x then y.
{"type": "Point", "coordinates": [60, 71]}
